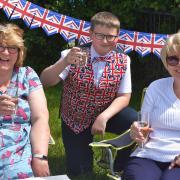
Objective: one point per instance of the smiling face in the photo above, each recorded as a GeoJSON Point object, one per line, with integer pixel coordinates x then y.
{"type": "Point", "coordinates": [104, 39]}
{"type": "Point", "coordinates": [170, 55]}
{"type": "Point", "coordinates": [174, 70]}
{"type": "Point", "coordinates": [8, 57]}
{"type": "Point", "coordinates": [12, 49]}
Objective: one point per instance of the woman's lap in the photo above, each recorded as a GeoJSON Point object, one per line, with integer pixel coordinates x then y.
{"type": "Point", "coordinates": [142, 168]}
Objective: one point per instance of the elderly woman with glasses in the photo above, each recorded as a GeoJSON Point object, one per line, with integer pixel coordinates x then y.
{"type": "Point", "coordinates": [24, 129]}
{"type": "Point", "coordinates": [160, 157]}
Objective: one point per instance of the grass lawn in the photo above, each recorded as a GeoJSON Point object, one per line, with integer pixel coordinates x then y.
{"type": "Point", "coordinates": [56, 152]}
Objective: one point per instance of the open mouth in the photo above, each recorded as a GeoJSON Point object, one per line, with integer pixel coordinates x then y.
{"type": "Point", "coordinates": [177, 71]}
{"type": "Point", "coordinates": [4, 60]}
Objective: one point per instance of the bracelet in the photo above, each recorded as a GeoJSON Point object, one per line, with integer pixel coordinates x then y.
{"type": "Point", "coordinates": [40, 156]}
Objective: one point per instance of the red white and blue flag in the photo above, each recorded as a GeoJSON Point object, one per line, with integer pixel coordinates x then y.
{"type": "Point", "coordinates": [70, 28]}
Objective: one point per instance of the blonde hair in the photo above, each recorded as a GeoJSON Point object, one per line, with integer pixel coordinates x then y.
{"type": "Point", "coordinates": [172, 47]}
{"type": "Point", "coordinates": [12, 35]}
{"type": "Point", "coordinates": [105, 19]}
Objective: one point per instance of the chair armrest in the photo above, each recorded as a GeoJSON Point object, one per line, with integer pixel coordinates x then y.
{"type": "Point", "coordinates": [122, 141]}
{"type": "Point", "coordinates": [51, 140]}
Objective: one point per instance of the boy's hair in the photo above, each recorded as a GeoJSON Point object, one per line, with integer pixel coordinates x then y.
{"type": "Point", "coordinates": [171, 47]}
{"type": "Point", "coordinates": [105, 19]}
{"type": "Point", "coordinates": [12, 35]}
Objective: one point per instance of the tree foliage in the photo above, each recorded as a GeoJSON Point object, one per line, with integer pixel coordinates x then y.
{"type": "Point", "coordinates": [44, 50]}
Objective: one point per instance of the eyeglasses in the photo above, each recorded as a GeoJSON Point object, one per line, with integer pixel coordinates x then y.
{"type": "Point", "coordinates": [11, 49]}
{"type": "Point", "coordinates": [172, 60]}
{"type": "Point", "coordinates": [101, 36]}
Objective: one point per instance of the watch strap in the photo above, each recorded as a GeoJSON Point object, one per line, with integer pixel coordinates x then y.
{"type": "Point", "coordinates": [40, 156]}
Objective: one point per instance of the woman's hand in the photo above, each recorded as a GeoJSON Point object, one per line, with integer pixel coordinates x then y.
{"type": "Point", "coordinates": [40, 167]}
{"type": "Point", "coordinates": [136, 133]}
{"type": "Point", "coordinates": [6, 105]}
{"type": "Point", "coordinates": [175, 162]}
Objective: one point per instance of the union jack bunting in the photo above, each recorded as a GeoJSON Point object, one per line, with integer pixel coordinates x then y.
{"type": "Point", "coordinates": [70, 28]}
{"type": "Point", "coordinates": [126, 40]}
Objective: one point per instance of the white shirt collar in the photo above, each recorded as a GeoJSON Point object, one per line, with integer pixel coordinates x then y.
{"type": "Point", "coordinates": [95, 54]}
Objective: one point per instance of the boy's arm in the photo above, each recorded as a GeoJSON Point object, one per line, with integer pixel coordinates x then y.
{"type": "Point", "coordinates": [120, 102]}
{"type": "Point", "coordinates": [50, 75]}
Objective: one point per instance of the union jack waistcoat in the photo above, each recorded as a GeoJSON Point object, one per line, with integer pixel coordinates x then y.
{"type": "Point", "coordinates": [82, 101]}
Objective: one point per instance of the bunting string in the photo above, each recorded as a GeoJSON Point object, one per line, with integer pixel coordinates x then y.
{"type": "Point", "coordinates": [71, 28]}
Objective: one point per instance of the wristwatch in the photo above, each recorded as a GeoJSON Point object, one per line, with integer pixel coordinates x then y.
{"type": "Point", "coordinates": [40, 156]}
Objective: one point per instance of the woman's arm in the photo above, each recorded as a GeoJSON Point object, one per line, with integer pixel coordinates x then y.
{"type": "Point", "coordinates": [50, 75]}
{"type": "Point", "coordinates": [40, 131]}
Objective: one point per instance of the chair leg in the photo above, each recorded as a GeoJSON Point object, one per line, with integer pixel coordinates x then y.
{"type": "Point", "coordinates": [111, 161]}
{"type": "Point", "coordinates": [112, 174]}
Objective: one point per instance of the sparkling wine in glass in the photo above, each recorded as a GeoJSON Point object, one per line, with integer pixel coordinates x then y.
{"type": "Point", "coordinates": [143, 123]}
{"type": "Point", "coordinates": [12, 91]}
{"type": "Point", "coordinates": [85, 54]}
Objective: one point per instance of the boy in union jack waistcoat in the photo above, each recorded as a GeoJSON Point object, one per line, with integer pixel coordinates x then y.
{"type": "Point", "coordinates": [95, 96]}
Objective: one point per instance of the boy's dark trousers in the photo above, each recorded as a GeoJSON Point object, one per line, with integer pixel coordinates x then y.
{"type": "Point", "coordinates": [79, 154]}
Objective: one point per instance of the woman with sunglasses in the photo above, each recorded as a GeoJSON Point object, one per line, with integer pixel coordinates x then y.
{"type": "Point", "coordinates": [160, 157]}
{"type": "Point", "coordinates": [24, 132]}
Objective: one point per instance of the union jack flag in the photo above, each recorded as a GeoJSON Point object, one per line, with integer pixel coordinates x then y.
{"type": "Point", "coordinates": [70, 28]}
{"type": "Point", "coordinates": [54, 19]}
{"type": "Point", "coordinates": [11, 8]}
{"type": "Point", "coordinates": [126, 40]}
{"type": "Point", "coordinates": [34, 16]}
{"type": "Point", "coordinates": [160, 41]}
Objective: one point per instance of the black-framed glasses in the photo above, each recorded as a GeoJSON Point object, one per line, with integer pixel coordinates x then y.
{"type": "Point", "coordinates": [108, 37]}
{"type": "Point", "coordinates": [11, 49]}
{"type": "Point", "coordinates": [172, 60]}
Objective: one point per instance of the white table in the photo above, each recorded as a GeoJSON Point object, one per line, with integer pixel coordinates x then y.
{"type": "Point", "coordinates": [58, 177]}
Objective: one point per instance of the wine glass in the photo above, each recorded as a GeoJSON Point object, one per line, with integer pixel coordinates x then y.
{"type": "Point", "coordinates": [12, 91]}
{"type": "Point", "coordinates": [85, 54]}
{"type": "Point", "coordinates": [143, 124]}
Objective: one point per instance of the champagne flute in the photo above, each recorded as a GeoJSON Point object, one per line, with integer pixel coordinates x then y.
{"type": "Point", "coordinates": [143, 124]}
{"type": "Point", "coordinates": [84, 58]}
{"type": "Point", "coordinates": [12, 91]}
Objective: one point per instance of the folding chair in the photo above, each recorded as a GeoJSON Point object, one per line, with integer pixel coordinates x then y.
{"type": "Point", "coordinates": [110, 147]}
{"type": "Point", "coordinates": [51, 140]}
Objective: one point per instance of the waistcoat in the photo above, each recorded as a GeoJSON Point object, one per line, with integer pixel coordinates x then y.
{"type": "Point", "coordinates": [82, 101]}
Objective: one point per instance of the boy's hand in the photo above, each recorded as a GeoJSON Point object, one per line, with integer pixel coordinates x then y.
{"type": "Point", "coordinates": [99, 125]}
{"type": "Point", "coordinates": [74, 56]}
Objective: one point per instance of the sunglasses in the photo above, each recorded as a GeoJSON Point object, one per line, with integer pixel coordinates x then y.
{"type": "Point", "coordinates": [172, 60]}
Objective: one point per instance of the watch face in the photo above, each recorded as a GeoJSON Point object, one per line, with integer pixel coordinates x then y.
{"type": "Point", "coordinates": [44, 157]}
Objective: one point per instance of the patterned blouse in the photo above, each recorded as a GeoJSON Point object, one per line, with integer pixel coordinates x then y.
{"type": "Point", "coordinates": [15, 147]}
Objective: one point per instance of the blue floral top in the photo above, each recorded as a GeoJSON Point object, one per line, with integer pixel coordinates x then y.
{"type": "Point", "coordinates": [15, 147]}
